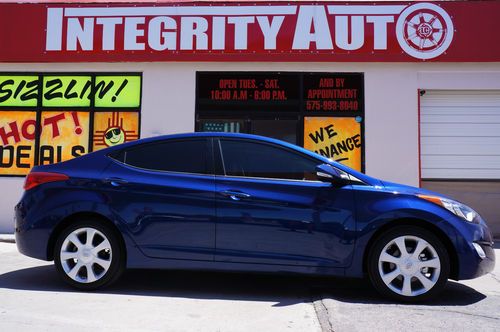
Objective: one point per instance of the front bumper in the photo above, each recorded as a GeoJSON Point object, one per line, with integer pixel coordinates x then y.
{"type": "Point", "coordinates": [476, 255]}
{"type": "Point", "coordinates": [483, 265]}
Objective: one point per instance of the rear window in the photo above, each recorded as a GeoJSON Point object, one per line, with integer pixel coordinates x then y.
{"type": "Point", "coordinates": [186, 156]}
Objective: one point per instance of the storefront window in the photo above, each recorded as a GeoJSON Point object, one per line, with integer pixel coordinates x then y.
{"type": "Point", "coordinates": [322, 112]}
{"type": "Point", "coordinates": [52, 117]}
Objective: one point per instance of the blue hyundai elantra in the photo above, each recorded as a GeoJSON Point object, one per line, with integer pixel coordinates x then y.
{"type": "Point", "coordinates": [216, 201]}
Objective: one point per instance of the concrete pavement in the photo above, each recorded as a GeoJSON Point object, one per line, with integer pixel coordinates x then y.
{"type": "Point", "coordinates": [33, 298]}
{"type": "Point", "coordinates": [471, 305]}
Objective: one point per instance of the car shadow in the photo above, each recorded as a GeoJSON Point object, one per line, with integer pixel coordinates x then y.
{"type": "Point", "coordinates": [359, 291]}
{"type": "Point", "coordinates": [284, 290]}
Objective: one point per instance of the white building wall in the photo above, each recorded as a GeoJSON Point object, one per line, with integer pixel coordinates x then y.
{"type": "Point", "coordinates": [391, 105]}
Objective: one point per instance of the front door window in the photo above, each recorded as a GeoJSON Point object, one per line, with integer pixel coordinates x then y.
{"type": "Point", "coordinates": [260, 160]}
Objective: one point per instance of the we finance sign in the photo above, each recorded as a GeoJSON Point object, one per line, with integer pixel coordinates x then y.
{"type": "Point", "coordinates": [294, 31]}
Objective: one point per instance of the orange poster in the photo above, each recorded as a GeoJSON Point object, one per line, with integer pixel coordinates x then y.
{"type": "Point", "coordinates": [112, 128]}
{"type": "Point", "coordinates": [65, 135]}
{"type": "Point", "coordinates": [17, 142]}
{"type": "Point", "coordinates": [338, 139]}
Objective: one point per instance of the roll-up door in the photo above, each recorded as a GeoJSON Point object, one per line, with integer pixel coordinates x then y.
{"type": "Point", "coordinates": [460, 148]}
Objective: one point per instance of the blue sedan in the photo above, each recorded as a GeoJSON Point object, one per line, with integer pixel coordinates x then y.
{"type": "Point", "coordinates": [215, 201]}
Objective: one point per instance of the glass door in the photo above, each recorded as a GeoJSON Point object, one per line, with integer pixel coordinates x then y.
{"type": "Point", "coordinates": [222, 125]}
{"type": "Point", "coordinates": [279, 128]}
{"type": "Point", "coordinates": [285, 129]}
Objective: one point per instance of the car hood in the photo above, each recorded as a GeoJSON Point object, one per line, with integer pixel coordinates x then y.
{"type": "Point", "coordinates": [409, 190]}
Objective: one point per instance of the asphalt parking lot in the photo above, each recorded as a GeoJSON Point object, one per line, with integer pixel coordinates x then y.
{"type": "Point", "coordinates": [33, 298]}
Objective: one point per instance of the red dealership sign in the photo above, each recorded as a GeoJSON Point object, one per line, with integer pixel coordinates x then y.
{"type": "Point", "coordinates": [250, 31]}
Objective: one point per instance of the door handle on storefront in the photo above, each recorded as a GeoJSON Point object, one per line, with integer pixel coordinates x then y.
{"type": "Point", "coordinates": [234, 195]}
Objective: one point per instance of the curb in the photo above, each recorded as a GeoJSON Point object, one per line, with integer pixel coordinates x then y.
{"type": "Point", "coordinates": [7, 238]}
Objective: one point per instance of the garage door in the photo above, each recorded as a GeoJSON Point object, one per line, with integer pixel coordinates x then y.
{"type": "Point", "coordinates": [460, 148]}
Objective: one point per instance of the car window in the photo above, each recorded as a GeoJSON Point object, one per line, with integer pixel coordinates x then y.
{"type": "Point", "coordinates": [249, 159]}
{"type": "Point", "coordinates": [187, 156]}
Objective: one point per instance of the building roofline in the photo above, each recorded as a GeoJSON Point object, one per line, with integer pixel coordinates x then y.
{"type": "Point", "coordinates": [153, 2]}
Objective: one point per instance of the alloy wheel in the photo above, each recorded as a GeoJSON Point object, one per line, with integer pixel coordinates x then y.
{"type": "Point", "coordinates": [86, 255]}
{"type": "Point", "coordinates": [409, 266]}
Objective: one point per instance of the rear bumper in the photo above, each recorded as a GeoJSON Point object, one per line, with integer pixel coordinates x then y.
{"type": "Point", "coordinates": [30, 241]}
{"type": "Point", "coordinates": [29, 245]}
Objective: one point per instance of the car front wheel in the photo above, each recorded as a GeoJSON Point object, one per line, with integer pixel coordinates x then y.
{"type": "Point", "coordinates": [408, 264]}
{"type": "Point", "coordinates": [88, 255]}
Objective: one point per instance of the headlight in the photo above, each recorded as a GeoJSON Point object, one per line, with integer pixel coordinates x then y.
{"type": "Point", "coordinates": [457, 208]}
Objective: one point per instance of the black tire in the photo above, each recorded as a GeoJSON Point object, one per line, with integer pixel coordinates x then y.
{"type": "Point", "coordinates": [115, 256]}
{"type": "Point", "coordinates": [439, 276]}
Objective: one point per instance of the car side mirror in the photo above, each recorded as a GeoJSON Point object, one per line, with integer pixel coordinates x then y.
{"type": "Point", "coordinates": [328, 173]}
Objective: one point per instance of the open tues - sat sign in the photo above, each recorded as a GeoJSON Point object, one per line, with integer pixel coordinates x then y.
{"type": "Point", "coordinates": [256, 31]}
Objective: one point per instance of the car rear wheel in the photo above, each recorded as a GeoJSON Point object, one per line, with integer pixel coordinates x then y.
{"type": "Point", "coordinates": [408, 263]}
{"type": "Point", "coordinates": [88, 255]}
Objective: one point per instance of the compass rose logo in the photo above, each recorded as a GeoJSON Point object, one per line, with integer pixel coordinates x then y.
{"type": "Point", "coordinates": [424, 30]}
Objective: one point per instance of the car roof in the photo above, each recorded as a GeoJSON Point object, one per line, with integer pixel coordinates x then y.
{"type": "Point", "coordinates": [203, 134]}
{"type": "Point", "coordinates": [215, 135]}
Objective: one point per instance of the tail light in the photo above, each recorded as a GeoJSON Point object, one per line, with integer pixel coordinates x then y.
{"type": "Point", "coordinates": [36, 178]}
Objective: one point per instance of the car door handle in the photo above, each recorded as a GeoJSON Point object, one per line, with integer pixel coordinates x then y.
{"type": "Point", "coordinates": [115, 182]}
{"type": "Point", "coordinates": [235, 195]}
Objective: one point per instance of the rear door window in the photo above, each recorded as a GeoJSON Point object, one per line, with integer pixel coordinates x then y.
{"type": "Point", "coordinates": [186, 156]}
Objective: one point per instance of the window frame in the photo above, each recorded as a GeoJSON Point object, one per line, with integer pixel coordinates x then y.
{"type": "Point", "coordinates": [219, 166]}
{"type": "Point", "coordinates": [207, 153]}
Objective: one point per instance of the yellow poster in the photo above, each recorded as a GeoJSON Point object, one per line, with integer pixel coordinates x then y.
{"type": "Point", "coordinates": [19, 90]}
{"type": "Point", "coordinates": [65, 135]}
{"type": "Point", "coordinates": [66, 91]}
{"type": "Point", "coordinates": [112, 128]}
{"type": "Point", "coordinates": [118, 91]}
{"type": "Point", "coordinates": [338, 139]}
{"type": "Point", "coordinates": [17, 142]}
